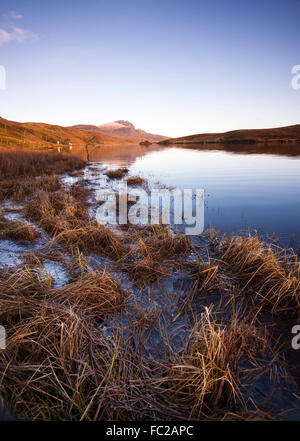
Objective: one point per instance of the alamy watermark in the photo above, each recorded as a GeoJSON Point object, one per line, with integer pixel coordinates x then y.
{"type": "Point", "coordinates": [296, 339]}
{"type": "Point", "coordinates": [2, 78]}
{"type": "Point", "coordinates": [158, 206]}
{"type": "Point", "coordinates": [296, 77]}
{"type": "Point", "coordinates": [2, 338]}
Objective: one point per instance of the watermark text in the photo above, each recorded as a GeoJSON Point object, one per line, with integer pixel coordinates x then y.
{"type": "Point", "coordinates": [2, 338]}
{"type": "Point", "coordinates": [296, 77]}
{"type": "Point", "coordinates": [158, 206]}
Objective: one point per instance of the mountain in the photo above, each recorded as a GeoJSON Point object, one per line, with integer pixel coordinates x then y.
{"type": "Point", "coordinates": [40, 135]}
{"type": "Point", "coordinates": [248, 136]}
{"type": "Point", "coordinates": [122, 129]}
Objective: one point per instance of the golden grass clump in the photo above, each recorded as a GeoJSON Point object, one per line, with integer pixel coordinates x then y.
{"type": "Point", "coordinates": [161, 243]}
{"type": "Point", "coordinates": [61, 204]}
{"type": "Point", "coordinates": [55, 212]}
{"type": "Point", "coordinates": [80, 192]}
{"type": "Point", "coordinates": [153, 254]}
{"type": "Point", "coordinates": [135, 180]}
{"type": "Point", "coordinates": [94, 292]}
{"type": "Point", "coordinates": [117, 174]}
{"type": "Point", "coordinates": [17, 230]}
{"type": "Point", "coordinates": [205, 378]}
{"type": "Point", "coordinates": [19, 290]}
{"type": "Point", "coordinates": [273, 276]}
{"type": "Point", "coordinates": [205, 275]}
{"type": "Point", "coordinates": [146, 270]}
{"type": "Point", "coordinates": [80, 265]}
{"type": "Point", "coordinates": [91, 237]}
{"type": "Point", "coordinates": [48, 363]}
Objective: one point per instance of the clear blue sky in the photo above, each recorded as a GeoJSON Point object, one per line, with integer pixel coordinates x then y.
{"type": "Point", "coordinates": [175, 67]}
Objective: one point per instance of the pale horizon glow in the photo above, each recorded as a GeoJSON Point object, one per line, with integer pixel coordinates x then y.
{"type": "Point", "coordinates": [173, 68]}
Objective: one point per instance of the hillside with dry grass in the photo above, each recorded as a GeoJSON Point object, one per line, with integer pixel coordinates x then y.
{"type": "Point", "coordinates": [46, 136]}
{"type": "Point", "coordinates": [248, 136]}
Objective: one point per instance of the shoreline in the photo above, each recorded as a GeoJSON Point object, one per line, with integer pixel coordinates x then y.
{"type": "Point", "coordinates": [232, 142]}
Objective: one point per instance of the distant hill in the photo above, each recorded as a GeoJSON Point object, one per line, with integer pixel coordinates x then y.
{"type": "Point", "coordinates": [39, 135]}
{"type": "Point", "coordinates": [122, 129]}
{"type": "Point", "coordinates": [248, 136]}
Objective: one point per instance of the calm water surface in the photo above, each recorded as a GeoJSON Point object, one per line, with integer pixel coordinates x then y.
{"type": "Point", "coordinates": [246, 187]}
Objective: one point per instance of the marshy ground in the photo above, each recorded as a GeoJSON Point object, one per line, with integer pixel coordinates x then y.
{"type": "Point", "coordinates": [135, 323]}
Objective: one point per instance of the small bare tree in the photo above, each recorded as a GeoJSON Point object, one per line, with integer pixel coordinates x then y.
{"type": "Point", "coordinates": [93, 142]}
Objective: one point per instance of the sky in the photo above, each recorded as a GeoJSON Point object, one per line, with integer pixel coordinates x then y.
{"type": "Point", "coordinates": [172, 67]}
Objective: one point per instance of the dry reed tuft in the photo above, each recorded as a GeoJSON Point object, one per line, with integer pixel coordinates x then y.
{"type": "Point", "coordinates": [61, 204]}
{"type": "Point", "coordinates": [17, 230]}
{"type": "Point", "coordinates": [153, 253]}
{"type": "Point", "coordinates": [161, 243]}
{"type": "Point", "coordinates": [48, 363]}
{"type": "Point", "coordinates": [205, 275]}
{"type": "Point", "coordinates": [80, 192]}
{"type": "Point", "coordinates": [94, 292]}
{"type": "Point", "coordinates": [207, 376]}
{"type": "Point", "coordinates": [146, 270]}
{"type": "Point", "coordinates": [117, 174]}
{"type": "Point", "coordinates": [135, 180]}
{"type": "Point", "coordinates": [80, 265]}
{"type": "Point", "coordinates": [146, 318]}
{"type": "Point", "coordinates": [20, 288]}
{"type": "Point", "coordinates": [91, 237]}
{"type": "Point", "coordinates": [55, 212]}
{"type": "Point", "coordinates": [273, 276]}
